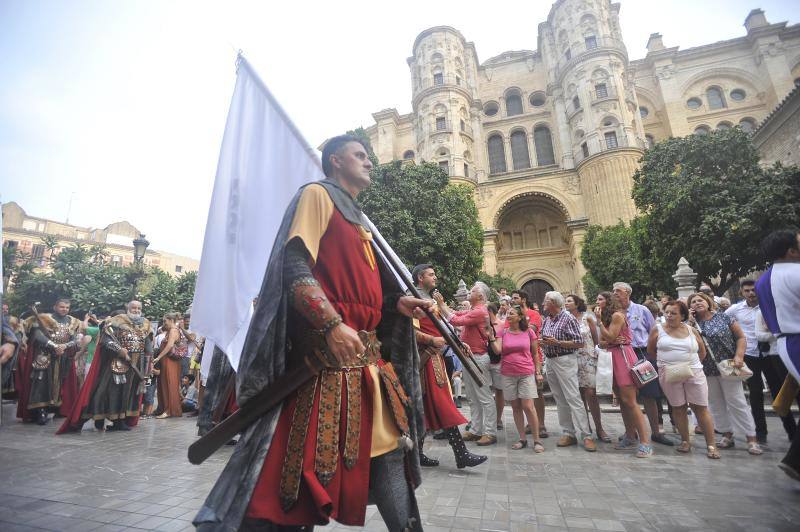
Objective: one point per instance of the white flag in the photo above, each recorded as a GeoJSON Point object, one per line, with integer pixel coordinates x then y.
{"type": "Point", "coordinates": [262, 162]}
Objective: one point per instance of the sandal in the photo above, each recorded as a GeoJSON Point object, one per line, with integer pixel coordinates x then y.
{"type": "Point", "coordinates": [684, 447]}
{"type": "Point", "coordinates": [713, 453]}
{"type": "Point", "coordinates": [725, 443]}
{"type": "Point", "coordinates": [644, 451]}
{"type": "Point", "coordinates": [521, 444]}
{"type": "Point", "coordinates": [754, 448]}
{"type": "Point", "coordinates": [605, 438]}
{"type": "Point", "coordinates": [543, 433]}
{"type": "Point", "coordinates": [625, 444]}
{"type": "Point", "coordinates": [538, 447]}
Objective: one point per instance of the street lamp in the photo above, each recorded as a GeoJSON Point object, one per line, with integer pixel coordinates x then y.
{"type": "Point", "coordinates": [139, 248]}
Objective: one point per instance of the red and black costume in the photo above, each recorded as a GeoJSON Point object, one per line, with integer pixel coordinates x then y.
{"type": "Point", "coordinates": [440, 410]}
{"type": "Point", "coordinates": [343, 435]}
{"type": "Point", "coordinates": [53, 381]}
{"type": "Point", "coordinates": [112, 389]}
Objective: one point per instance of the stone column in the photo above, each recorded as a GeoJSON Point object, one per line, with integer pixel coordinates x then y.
{"type": "Point", "coordinates": [685, 278]}
{"type": "Point", "coordinates": [567, 160]}
{"type": "Point", "coordinates": [490, 251]}
{"type": "Point", "coordinates": [578, 233]}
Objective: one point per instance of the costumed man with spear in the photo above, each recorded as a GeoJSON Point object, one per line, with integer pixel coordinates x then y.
{"type": "Point", "coordinates": [440, 410]}
{"type": "Point", "coordinates": [114, 386]}
{"type": "Point", "coordinates": [344, 438]}
{"type": "Point", "coordinates": [53, 343]}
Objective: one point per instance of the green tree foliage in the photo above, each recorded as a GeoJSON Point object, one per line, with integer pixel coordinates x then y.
{"type": "Point", "coordinates": [81, 274]}
{"type": "Point", "coordinates": [707, 198]}
{"type": "Point", "coordinates": [622, 253]}
{"type": "Point", "coordinates": [426, 219]}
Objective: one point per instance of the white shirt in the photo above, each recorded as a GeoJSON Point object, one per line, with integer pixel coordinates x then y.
{"type": "Point", "coordinates": [763, 334]}
{"type": "Point", "coordinates": [746, 316]}
{"type": "Point", "coordinates": [671, 350]}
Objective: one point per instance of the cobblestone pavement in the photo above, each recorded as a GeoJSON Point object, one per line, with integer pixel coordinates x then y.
{"type": "Point", "coordinates": [142, 480]}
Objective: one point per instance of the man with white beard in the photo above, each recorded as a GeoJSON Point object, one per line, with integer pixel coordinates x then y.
{"type": "Point", "coordinates": [113, 389]}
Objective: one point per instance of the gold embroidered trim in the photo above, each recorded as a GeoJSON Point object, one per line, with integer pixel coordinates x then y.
{"type": "Point", "coordinates": [293, 463]}
{"type": "Point", "coordinates": [439, 370]}
{"type": "Point", "coordinates": [330, 403]}
{"type": "Point", "coordinates": [351, 441]}
{"type": "Point", "coordinates": [397, 397]}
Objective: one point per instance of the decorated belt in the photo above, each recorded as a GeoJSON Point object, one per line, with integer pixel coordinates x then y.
{"type": "Point", "coordinates": [370, 356]}
{"type": "Point", "coordinates": [339, 392]}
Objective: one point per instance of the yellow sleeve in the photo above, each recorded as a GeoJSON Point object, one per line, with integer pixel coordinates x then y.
{"type": "Point", "coordinates": [314, 211]}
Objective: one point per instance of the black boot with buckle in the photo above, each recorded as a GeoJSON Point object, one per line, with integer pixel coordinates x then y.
{"type": "Point", "coordinates": [424, 461]}
{"type": "Point", "coordinates": [464, 458]}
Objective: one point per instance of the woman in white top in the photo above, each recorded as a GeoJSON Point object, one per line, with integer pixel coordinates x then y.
{"type": "Point", "coordinates": [679, 352]}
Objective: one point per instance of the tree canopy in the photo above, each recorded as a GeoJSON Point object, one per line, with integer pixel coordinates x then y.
{"type": "Point", "coordinates": [706, 198]}
{"type": "Point", "coordinates": [426, 219]}
{"type": "Point", "coordinates": [82, 274]}
{"type": "Point", "coordinates": [621, 253]}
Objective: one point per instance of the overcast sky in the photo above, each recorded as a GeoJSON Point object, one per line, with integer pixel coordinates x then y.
{"type": "Point", "coordinates": [124, 103]}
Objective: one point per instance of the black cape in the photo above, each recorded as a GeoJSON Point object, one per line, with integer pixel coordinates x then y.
{"type": "Point", "coordinates": [264, 359]}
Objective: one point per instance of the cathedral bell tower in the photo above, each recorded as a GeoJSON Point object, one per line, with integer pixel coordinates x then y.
{"type": "Point", "coordinates": [588, 70]}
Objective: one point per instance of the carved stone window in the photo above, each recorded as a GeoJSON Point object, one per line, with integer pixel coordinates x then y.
{"type": "Point", "coordinates": [543, 142]}
{"type": "Point", "coordinates": [519, 150]}
{"type": "Point", "coordinates": [497, 155]}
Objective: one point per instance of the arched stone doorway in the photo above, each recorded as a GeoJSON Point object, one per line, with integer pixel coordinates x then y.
{"type": "Point", "coordinates": [535, 242]}
{"type": "Point", "coordinates": [536, 289]}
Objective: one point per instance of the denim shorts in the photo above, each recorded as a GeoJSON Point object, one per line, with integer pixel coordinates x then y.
{"type": "Point", "coordinates": [149, 393]}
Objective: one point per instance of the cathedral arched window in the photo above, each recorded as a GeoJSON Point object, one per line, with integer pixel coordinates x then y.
{"type": "Point", "coordinates": [520, 156]}
{"type": "Point", "coordinates": [543, 142]}
{"type": "Point", "coordinates": [497, 155]}
{"type": "Point", "coordinates": [513, 103]}
{"type": "Point", "coordinates": [715, 98]}
{"type": "Point", "coordinates": [748, 125]}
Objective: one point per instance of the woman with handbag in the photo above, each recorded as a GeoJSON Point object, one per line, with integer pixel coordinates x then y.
{"type": "Point", "coordinates": [587, 361]}
{"type": "Point", "coordinates": [726, 345]}
{"type": "Point", "coordinates": [615, 335]}
{"type": "Point", "coordinates": [679, 350]}
{"type": "Point", "coordinates": [169, 380]}
{"type": "Point", "coordinates": [520, 370]}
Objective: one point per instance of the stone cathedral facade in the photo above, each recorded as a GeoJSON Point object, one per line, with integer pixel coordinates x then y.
{"type": "Point", "coordinates": [549, 139]}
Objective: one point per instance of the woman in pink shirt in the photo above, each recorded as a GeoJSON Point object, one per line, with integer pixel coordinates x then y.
{"type": "Point", "coordinates": [520, 372]}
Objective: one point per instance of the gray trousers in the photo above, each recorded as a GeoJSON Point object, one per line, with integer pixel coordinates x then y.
{"type": "Point", "coordinates": [388, 490]}
{"type": "Point", "coordinates": [482, 409]}
{"type": "Point", "coordinates": [562, 376]}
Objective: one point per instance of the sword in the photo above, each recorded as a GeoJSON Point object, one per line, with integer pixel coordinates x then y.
{"type": "Point", "coordinates": [259, 405]}
{"type": "Point", "coordinates": [109, 331]}
{"type": "Point", "coordinates": [452, 340]}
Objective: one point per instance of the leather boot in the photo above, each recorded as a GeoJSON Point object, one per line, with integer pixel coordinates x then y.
{"type": "Point", "coordinates": [464, 458]}
{"type": "Point", "coordinates": [424, 461]}
{"type": "Point", "coordinates": [119, 424]}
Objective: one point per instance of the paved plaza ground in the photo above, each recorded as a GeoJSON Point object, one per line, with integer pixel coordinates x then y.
{"type": "Point", "coordinates": [142, 480]}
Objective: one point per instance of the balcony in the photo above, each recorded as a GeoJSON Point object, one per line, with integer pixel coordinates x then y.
{"type": "Point", "coordinates": [578, 51]}
{"type": "Point", "coordinates": [573, 108]}
{"type": "Point", "coordinates": [610, 93]}
{"type": "Point", "coordinates": [441, 80]}
{"type": "Point", "coordinates": [607, 144]}
{"type": "Point", "coordinates": [443, 126]}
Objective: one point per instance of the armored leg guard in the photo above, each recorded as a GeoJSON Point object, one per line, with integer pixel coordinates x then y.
{"type": "Point", "coordinates": [392, 494]}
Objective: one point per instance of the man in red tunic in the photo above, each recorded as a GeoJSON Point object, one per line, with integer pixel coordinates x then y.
{"type": "Point", "coordinates": [345, 438]}
{"type": "Point", "coordinates": [440, 410]}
